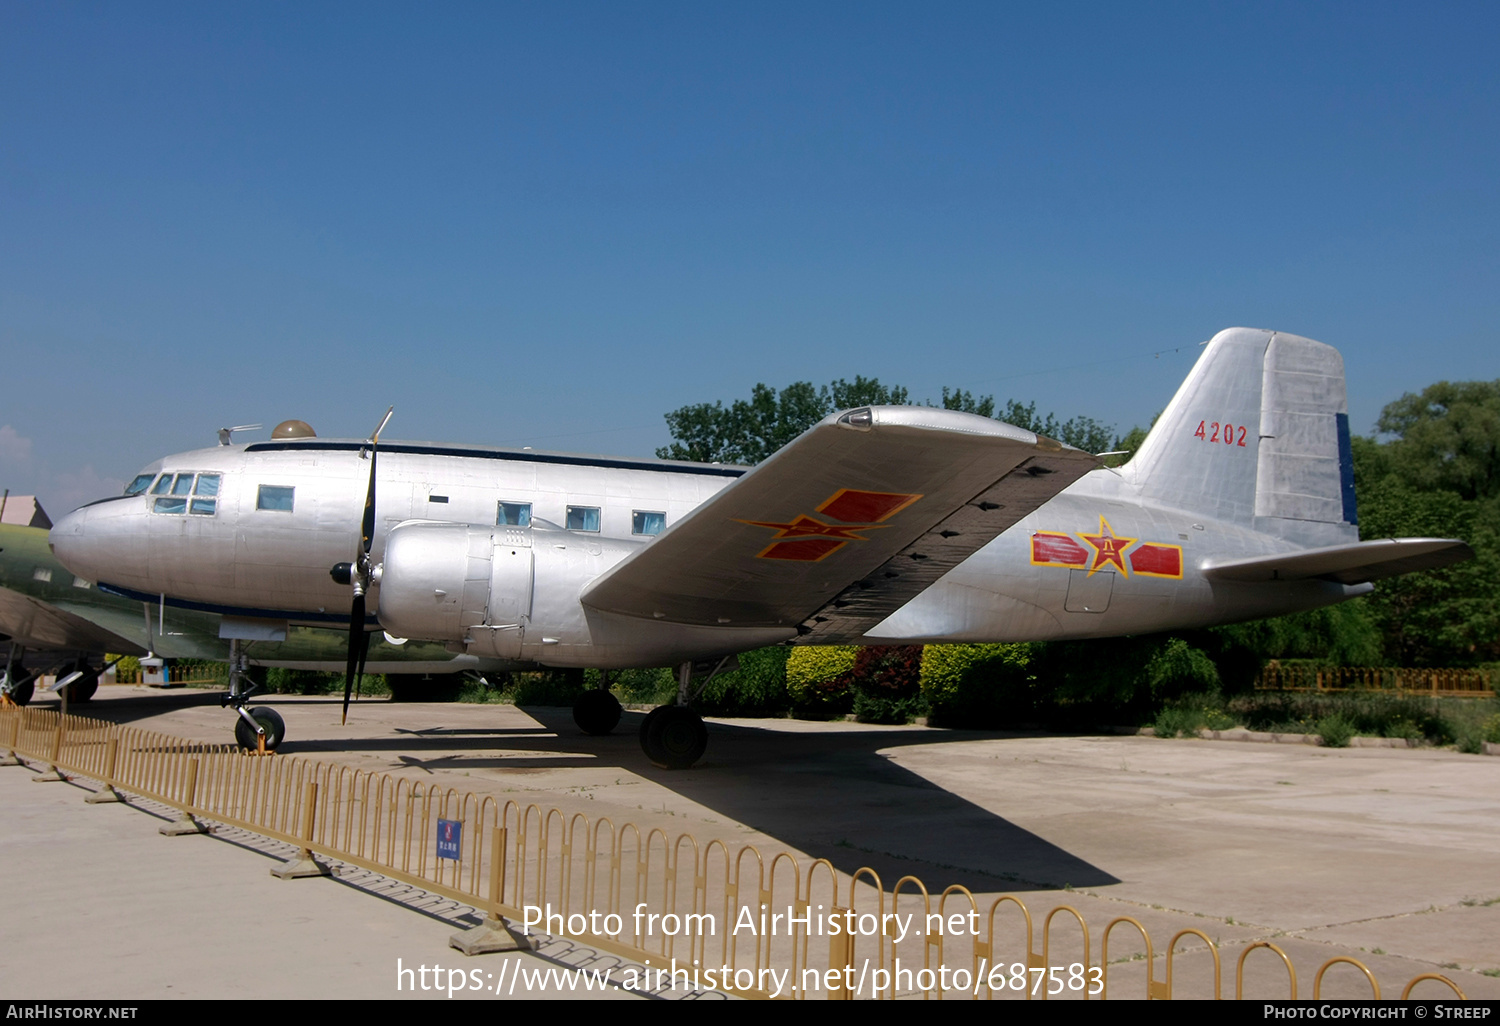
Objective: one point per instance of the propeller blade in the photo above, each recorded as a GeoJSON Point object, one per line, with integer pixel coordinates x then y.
{"type": "Point", "coordinates": [364, 651]}
{"type": "Point", "coordinates": [367, 528]}
{"type": "Point", "coordinates": [356, 648]}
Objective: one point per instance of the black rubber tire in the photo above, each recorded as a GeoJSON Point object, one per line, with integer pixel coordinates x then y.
{"type": "Point", "coordinates": [270, 721]}
{"type": "Point", "coordinates": [674, 737]}
{"type": "Point", "coordinates": [597, 712]}
{"type": "Point", "coordinates": [82, 689]}
{"type": "Point", "coordinates": [22, 692]}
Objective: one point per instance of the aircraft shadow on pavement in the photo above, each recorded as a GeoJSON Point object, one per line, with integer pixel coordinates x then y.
{"type": "Point", "coordinates": [827, 792]}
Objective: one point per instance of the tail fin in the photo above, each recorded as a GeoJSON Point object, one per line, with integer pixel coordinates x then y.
{"type": "Point", "coordinates": [1257, 435]}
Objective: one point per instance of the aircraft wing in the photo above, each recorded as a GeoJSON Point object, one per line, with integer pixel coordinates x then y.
{"type": "Point", "coordinates": [38, 624]}
{"type": "Point", "coordinates": [844, 525]}
{"type": "Point", "coordinates": [1346, 564]}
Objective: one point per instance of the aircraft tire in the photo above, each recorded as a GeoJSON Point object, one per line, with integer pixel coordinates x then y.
{"type": "Point", "coordinates": [597, 712]}
{"type": "Point", "coordinates": [674, 737]}
{"type": "Point", "coordinates": [270, 721]}
{"type": "Point", "coordinates": [83, 689]}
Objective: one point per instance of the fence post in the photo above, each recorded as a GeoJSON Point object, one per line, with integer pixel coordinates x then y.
{"type": "Point", "coordinates": [186, 823]}
{"type": "Point", "coordinates": [13, 713]}
{"type": "Point", "coordinates": [107, 793]}
{"type": "Point", "coordinates": [53, 773]}
{"type": "Point", "coordinates": [493, 933]}
{"type": "Point", "coordinates": [303, 864]}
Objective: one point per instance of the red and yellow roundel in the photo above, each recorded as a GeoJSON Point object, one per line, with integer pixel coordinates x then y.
{"type": "Point", "coordinates": [807, 539]}
{"type": "Point", "coordinates": [1106, 550]}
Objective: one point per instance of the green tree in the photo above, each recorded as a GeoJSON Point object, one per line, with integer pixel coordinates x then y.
{"type": "Point", "coordinates": [1447, 438]}
{"type": "Point", "coordinates": [1438, 476]}
{"type": "Point", "coordinates": [748, 431]}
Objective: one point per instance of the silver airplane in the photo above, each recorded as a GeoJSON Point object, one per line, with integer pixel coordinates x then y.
{"type": "Point", "coordinates": [877, 526]}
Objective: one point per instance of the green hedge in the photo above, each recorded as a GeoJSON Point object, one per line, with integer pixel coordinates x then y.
{"type": "Point", "coordinates": [979, 685]}
{"type": "Point", "coordinates": [820, 680]}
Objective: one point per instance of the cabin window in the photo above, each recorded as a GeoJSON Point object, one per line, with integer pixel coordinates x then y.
{"type": "Point", "coordinates": [643, 522]}
{"type": "Point", "coordinates": [583, 518]}
{"type": "Point", "coordinates": [514, 514]}
{"type": "Point", "coordinates": [163, 485]}
{"type": "Point", "coordinates": [183, 485]}
{"type": "Point", "coordinates": [169, 504]}
{"type": "Point", "coordinates": [140, 483]}
{"type": "Point", "coordinates": [274, 497]}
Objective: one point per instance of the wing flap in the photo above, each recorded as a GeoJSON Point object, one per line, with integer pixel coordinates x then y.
{"type": "Point", "coordinates": [866, 508]}
{"type": "Point", "coordinates": [1347, 564]}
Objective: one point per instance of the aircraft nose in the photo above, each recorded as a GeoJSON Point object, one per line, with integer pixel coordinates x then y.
{"type": "Point", "coordinates": [68, 540]}
{"type": "Point", "coordinates": [99, 542]}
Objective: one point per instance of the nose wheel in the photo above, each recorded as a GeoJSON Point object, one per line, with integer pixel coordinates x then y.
{"type": "Point", "coordinates": [256, 730]}
{"type": "Point", "coordinates": [247, 729]}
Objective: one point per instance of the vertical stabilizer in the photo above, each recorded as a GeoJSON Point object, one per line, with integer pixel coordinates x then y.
{"type": "Point", "coordinates": [1201, 453]}
{"type": "Point", "coordinates": [1257, 435]}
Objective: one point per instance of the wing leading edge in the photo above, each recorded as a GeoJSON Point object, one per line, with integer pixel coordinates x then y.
{"type": "Point", "coordinates": [844, 525]}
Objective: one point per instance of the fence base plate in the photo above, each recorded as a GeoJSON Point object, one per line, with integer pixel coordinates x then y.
{"type": "Point", "coordinates": [490, 935]}
{"type": "Point", "coordinates": [181, 827]}
{"type": "Point", "coordinates": [301, 865]}
{"type": "Point", "coordinates": [103, 795]}
{"type": "Point", "coordinates": [53, 774]}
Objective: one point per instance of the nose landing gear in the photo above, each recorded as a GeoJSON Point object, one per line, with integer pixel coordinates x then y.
{"type": "Point", "coordinates": [259, 729]}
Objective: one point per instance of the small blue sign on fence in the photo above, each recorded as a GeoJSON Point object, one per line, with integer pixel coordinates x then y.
{"type": "Point", "coordinates": [450, 838]}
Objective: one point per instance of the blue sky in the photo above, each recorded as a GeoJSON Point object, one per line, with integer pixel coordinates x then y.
{"type": "Point", "coordinates": [548, 224]}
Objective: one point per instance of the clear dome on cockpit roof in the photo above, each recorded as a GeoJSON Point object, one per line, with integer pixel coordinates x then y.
{"type": "Point", "coordinates": [294, 429]}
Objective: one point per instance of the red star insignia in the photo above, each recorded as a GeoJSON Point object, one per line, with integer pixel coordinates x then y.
{"type": "Point", "coordinates": [809, 527]}
{"type": "Point", "coordinates": [1107, 548]}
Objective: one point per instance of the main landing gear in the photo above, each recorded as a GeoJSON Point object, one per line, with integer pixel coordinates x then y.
{"type": "Point", "coordinates": [259, 729]}
{"type": "Point", "coordinates": [672, 736]}
{"type": "Point", "coordinates": [17, 685]}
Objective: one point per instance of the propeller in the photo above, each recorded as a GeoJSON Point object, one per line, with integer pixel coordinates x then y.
{"type": "Point", "coordinates": [358, 575]}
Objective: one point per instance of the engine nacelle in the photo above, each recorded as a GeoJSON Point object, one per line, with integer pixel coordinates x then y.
{"type": "Point", "coordinates": [441, 582]}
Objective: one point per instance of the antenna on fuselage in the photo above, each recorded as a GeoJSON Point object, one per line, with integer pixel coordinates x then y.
{"type": "Point", "coordinates": [225, 434]}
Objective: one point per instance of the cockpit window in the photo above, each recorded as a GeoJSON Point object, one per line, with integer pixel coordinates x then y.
{"type": "Point", "coordinates": [275, 497]}
{"type": "Point", "coordinates": [172, 493]}
{"type": "Point", "coordinates": [138, 486]}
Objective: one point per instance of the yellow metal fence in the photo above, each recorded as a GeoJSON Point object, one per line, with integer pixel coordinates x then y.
{"type": "Point", "coordinates": [1457, 683]}
{"type": "Point", "coordinates": [751, 923]}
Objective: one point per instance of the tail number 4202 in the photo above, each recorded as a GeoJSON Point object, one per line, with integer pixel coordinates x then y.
{"type": "Point", "coordinates": [1213, 431]}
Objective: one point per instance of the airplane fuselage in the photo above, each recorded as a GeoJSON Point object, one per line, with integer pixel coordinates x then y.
{"type": "Point", "coordinates": [495, 547]}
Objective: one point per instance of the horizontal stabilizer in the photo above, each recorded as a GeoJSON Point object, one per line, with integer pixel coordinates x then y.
{"type": "Point", "coordinates": [1346, 564]}
{"type": "Point", "coordinates": [843, 525]}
